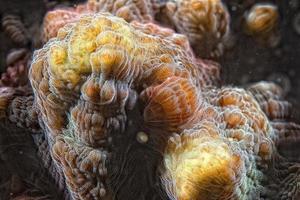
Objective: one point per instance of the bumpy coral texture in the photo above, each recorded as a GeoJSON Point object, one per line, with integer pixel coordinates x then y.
{"type": "Point", "coordinates": [143, 10]}
{"type": "Point", "coordinates": [54, 20]}
{"type": "Point", "coordinates": [230, 151]}
{"type": "Point", "coordinates": [58, 18]}
{"type": "Point", "coordinates": [16, 74]}
{"type": "Point", "coordinates": [262, 22]}
{"type": "Point", "coordinates": [14, 84]}
{"type": "Point", "coordinates": [6, 95]}
{"type": "Point", "coordinates": [129, 10]}
{"type": "Point", "coordinates": [218, 157]}
{"type": "Point", "coordinates": [221, 144]}
{"type": "Point", "coordinates": [22, 112]}
{"type": "Point", "coordinates": [93, 72]}
{"type": "Point", "coordinates": [204, 22]}
{"type": "Point", "coordinates": [279, 111]}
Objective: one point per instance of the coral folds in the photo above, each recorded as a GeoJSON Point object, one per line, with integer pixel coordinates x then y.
{"type": "Point", "coordinates": [130, 10]}
{"type": "Point", "coordinates": [86, 78]}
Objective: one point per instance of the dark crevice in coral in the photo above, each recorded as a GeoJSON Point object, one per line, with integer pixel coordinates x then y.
{"type": "Point", "coordinates": [134, 167]}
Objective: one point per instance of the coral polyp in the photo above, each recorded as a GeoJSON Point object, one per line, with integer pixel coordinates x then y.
{"type": "Point", "coordinates": [199, 162]}
{"type": "Point", "coordinates": [204, 22]}
{"type": "Point", "coordinates": [261, 22]}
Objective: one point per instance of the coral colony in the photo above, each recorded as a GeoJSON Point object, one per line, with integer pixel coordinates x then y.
{"type": "Point", "coordinates": [126, 105]}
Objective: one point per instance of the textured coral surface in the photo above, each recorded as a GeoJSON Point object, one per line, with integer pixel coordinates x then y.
{"type": "Point", "coordinates": [93, 72]}
{"type": "Point", "coordinates": [88, 78]}
{"type": "Point", "coordinates": [224, 148]}
{"type": "Point", "coordinates": [262, 22]}
{"type": "Point", "coordinates": [130, 10]}
{"type": "Point", "coordinates": [204, 22]}
{"type": "Point", "coordinates": [17, 71]}
{"type": "Point", "coordinates": [122, 108]}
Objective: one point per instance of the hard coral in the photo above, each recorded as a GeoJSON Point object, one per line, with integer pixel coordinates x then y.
{"type": "Point", "coordinates": [58, 18]}
{"type": "Point", "coordinates": [270, 98]}
{"type": "Point", "coordinates": [142, 10]}
{"type": "Point", "coordinates": [23, 114]}
{"type": "Point", "coordinates": [204, 159]}
{"type": "Point", "coordinates": [262, 22]}
{"type": "Point", "coordinates": [129, 10]}
{"type": "Point", "coordinates": [207, 35]}
{"type": "Point", "coordinates": [54, 20]}
{"type": "Point", "coordinates": [204, 22]}
{"type": "Point", "coordinates": [218, 157]}
{"type": "Point", "coordinates": [14, 82]}
{"type": "Point", "coordinates": [86, 79]}
{"type": "Point", "coordinates": [17, 69]}
{"type": "Point", "coordinates": [6, 94]}
{"type": "Point", "coordinates": [127, 107]}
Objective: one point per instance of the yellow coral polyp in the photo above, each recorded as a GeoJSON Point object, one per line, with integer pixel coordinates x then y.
{"type": "Point", "coordinates": [111, 37]}
{"type": "Point", "coordinates": [197, 5]}
{"type": "Point", "coordinates": [71, 76]}
{"type": "Point", "coordinates": [96, 44]}
{"type": "Point", "coordinates": [79, 50]}
{"type": "Point", "coordinates": [102, 22]}
{"type": "Point", "coordinates": [262, 18]}
{"type": "Point", "coordinates": [106, 59]}
{"type": "Point", "coordinates": [202, 167]}
{"type": "Point", "coordinates": [57, 55]}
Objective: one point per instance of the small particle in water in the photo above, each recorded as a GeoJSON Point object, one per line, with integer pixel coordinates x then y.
{"type": "Point", "coordinates": [142, 137]}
